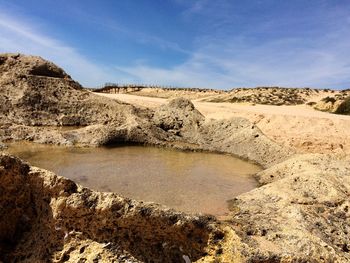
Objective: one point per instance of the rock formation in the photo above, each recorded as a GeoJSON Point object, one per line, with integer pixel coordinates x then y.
{"type": "Point", "coordinates": [41, 98]}
{"type": "Point", "coordinates": [35, 92]}
{"type": "Point", "coordinates": [45, 217]}
{"type": "Point", "coordinates": [300, 214]}
{"type": "Point", "coordinates": [300, 217]}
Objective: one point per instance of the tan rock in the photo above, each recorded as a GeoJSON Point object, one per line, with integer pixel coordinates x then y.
{"type": "Point", "coordinates": [45, 217]}
{"type": "Point", "coordinates": [301, 214]}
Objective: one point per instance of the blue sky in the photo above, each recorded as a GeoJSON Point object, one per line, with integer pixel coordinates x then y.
{"type": "Point", "coordinates": [189, 43]}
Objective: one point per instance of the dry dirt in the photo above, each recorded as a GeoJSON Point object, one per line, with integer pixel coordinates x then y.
{"type": "Point", "coordinates": [299, 214]}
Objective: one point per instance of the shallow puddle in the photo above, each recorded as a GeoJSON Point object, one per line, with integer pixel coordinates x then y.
{"type": "Point", "coordinates": [187, 181]}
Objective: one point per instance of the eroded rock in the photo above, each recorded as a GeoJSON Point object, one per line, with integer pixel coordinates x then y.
{"type": "Point", "coordinates": [179, 117]}
{"type": "Point", "coordinates": [236, 136]}
{"type": "Point", "coordinates": [35, 92]}
{"type": "Point", "coordinates": [306, 164]}
{"type": "Point", "coordinates": [301, 214]}
{"type": "Point", "coordinates": [39, 98]}
{"type": "Point", "coordinates": [49, 218]}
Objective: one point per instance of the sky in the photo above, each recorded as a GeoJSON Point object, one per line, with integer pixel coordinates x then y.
{"type": "Point", "coordinates": [219, 44]}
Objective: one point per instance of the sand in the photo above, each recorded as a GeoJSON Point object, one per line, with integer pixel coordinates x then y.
{"type": "Point", "coordinates": [300, 127]}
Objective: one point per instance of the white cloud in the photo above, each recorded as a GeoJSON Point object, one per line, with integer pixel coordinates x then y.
{"type": "Point", "coordinates": [20, 35]}
{"type": "Point", "coordinates": [230, 64]}
{"type": "Point", "coordinates": [317, 57]}
{"type": "Point", "coordinates": [225, 62]}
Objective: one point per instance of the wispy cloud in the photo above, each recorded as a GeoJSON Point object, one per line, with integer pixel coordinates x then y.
{"type": "Point", "coordinates": [197, 6]}
{"type": "Point", "coordinates": [117, 28]}
{"type": "Point", "coordinates": [20, 35]}
{"type": "Point", "coordinates": [317, 58]}
{"type": "Point", "coordinates": [143, 38]}
{"type": "Point", "coordinates": [228, 65]}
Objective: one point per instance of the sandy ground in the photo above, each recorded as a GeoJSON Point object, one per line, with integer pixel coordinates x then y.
{"type": "Point", "coordinates": [300, 127]}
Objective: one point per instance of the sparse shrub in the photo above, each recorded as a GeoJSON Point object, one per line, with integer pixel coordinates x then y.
{"type": "Point", "coordinates": [329, 99]}
{"type": "Point", "coordinates": [236, 99]}
{"type": "Point", "coordinates": [344, 107]}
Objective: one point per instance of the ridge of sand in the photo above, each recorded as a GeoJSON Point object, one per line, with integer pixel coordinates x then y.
{"type": "Point", "coordinates": [298, 126]}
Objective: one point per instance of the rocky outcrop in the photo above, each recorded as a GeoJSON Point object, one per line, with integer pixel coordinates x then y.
{"type": "Point", "coordinates": [305, 164]}
{"type": "Point", "coordinates": [301, 215]}
{"type": "Point", "coordinates": [39, 98]}
{"type": "Point", "coordinates": [240, 137]}
{"type": "Point", "coordinates": [178, 117]}
{"type": "Point", "coordinates": [43, 104]}
{"type": "Point", "coordinates": [35, 92]}
{"type": "Point", "coordinates": [45, 217]}
{"type": "Point", "coordinates": [236, 136]}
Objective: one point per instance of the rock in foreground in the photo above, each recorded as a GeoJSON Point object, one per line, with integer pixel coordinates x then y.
{"type": "Point", "coordinates": [45, 217]}
{"type": "Point", "coordinates": [301, 216]}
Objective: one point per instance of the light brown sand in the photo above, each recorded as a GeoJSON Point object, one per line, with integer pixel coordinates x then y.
{"type": "Point", "coordinates": [300, 127]}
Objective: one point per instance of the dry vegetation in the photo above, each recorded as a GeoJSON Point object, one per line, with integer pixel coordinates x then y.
{"type": "Point", "coordinates": [264, 95]}
{"type": "Point", "coordinates": [344, 107]}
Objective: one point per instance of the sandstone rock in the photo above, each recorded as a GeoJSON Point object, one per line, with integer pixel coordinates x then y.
{"type": "Point", "coordinates": [236, 136]}
{"type": "Point", "coordinates": [35, 92]}
{"type": "Point", "coordinates": [302, 216]}
{"type": "Point", "coordinates": [39, 98]}
{"type": "Point", "coordinates": [305, 164]}
{"type": "Point", "coordinates": [179, 117]}
{"type": "Point", "coordinates": [240, 137]}
{"type": "Point", "coordinates": [45, 217]}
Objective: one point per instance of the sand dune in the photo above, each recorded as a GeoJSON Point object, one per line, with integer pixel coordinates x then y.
{"type": "Point", "coordinates": [299, 126]}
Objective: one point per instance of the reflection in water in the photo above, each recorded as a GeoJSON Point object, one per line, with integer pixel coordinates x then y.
{"type": "Point", "coordinates": [187, 181]}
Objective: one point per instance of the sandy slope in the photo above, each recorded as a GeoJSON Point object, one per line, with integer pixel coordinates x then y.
{"type": "Point", "coordinates": [300, 127]}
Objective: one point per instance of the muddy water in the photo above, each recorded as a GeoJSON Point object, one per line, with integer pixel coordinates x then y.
{"type": "Point", "coordinates": [187, 181]}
